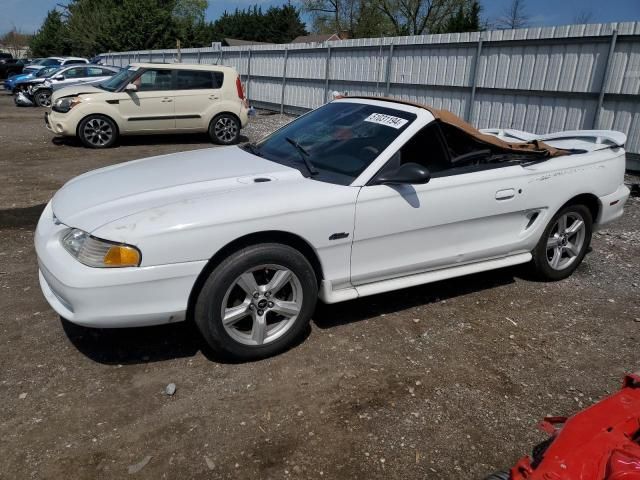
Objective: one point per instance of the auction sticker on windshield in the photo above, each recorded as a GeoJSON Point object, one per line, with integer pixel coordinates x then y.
{"type": "Point", "coordinates": [387, 120]}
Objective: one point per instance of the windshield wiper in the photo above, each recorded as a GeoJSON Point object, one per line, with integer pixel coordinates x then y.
{"type": "Point", "coordinates": [253, 148]}
{"type": "Point", "coordinates": [304, 155]}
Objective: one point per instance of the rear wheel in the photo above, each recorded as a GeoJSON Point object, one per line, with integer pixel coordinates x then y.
{"type": "Point", "coordinates": [564, 243]}
{"type": "Point", "coordinates": [224, 129]}
{"type": "Point", "coordinates": [257, 302]}
{"type": "Point", "coordinates": [43, 98]}
{"type": "Point", "coordinates": [97, 131]}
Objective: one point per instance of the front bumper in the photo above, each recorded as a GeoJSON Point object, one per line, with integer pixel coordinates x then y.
{"type": "Point", "coordinates": [110, 297]}
{"type": "Point", "coordinates": [60, 123]}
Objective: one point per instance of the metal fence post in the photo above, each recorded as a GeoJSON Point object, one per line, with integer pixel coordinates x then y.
{"type": "Point", "coordinates": [327, 66]}
{"type": "Point", "coordinates": [284, 78]}
{"type": "Point", "coordinates": [388, 80]}
{"type": "Point", "coordinates": [378, 61]}
{"type": "Point", "coordinates": [150, 56]}
{"type": "Point", "coordinates": [248, 73]}
{"type": "Point", "coordinates": [198, 55]}
{"type": "Point", "coordinates": [605, 78]}
{"type": "Point", "coordinates": [474, 79]}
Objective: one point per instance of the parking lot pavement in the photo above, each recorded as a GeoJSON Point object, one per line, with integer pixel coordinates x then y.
{"type": "Point", "coordinates": [440, 381]}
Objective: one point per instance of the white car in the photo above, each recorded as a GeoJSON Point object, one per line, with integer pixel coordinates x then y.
{"type": "Point", "coordinates": [152, 98]}
{"type": "Point", "coordinates": [358, 197]}
{"type": "Point", "coordinates": [53, 62]}
{"type": "Point", "coordinates": [68, 77]}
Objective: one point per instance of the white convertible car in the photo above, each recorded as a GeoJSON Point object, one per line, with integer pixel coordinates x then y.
{"type": "Point", "coordinates": [358, 197]}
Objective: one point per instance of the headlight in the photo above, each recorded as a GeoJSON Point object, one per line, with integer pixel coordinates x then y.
{"type": "Point", "coordinates": [47, 83]}
{"type": "Point", "coordinates": [95, 252]}
{"type": "Point", "coordinates": [64, 104]}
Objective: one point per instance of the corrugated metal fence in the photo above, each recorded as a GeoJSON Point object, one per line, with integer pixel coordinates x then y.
{"type": "Point", "coordinates": [537, 79]}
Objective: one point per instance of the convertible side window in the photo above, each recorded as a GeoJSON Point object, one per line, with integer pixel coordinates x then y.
{"type": "Point", "coordinates": [426, 148]}
{"type": "Point", "coordinates": [445, 150]}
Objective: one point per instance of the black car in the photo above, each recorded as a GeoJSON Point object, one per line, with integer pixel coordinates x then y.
{"type": "Point", "coordinates": [11, 66]}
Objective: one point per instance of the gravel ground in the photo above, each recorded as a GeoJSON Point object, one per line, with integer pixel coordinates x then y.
{"type": "Point", "coordinates": [444, 380]}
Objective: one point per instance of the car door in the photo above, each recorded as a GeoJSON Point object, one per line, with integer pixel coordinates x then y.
{"type": "Point", "coordinates": [196, 91]}
{"type": "Point", "coordinates": [462, 215]}
{"type": "Point", "coordinates": [71, 76]}
{"type": "Point", "coordinates": [151, 107]}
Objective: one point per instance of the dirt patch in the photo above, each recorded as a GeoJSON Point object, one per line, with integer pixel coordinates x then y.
{"type": "Point", "coordinates": [440, 381]}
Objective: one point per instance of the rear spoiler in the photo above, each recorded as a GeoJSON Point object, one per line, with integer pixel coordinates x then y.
{"type": "Point", "coordinates": [608, 138]}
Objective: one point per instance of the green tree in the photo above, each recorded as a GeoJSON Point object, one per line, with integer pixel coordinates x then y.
{"type": "Point", "coordinates": [189, 22]}
{"type": "Point", "coordinates": [97, 26]}
{"type": "Point", "coordinates": [277, 25]}
{"type": "Point", "coordinates": [50, 39]}
{"type": "Point", "coordinates": [466, 19]}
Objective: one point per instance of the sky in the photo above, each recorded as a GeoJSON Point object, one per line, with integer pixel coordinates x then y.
{"type": "Point", "coordinates": [27, 15]}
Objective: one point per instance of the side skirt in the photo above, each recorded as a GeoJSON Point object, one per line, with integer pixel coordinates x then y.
{"type": "Point", "coordinates": [327, 295]}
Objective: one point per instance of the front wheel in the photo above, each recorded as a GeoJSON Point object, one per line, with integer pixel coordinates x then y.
{"type": "Point", "coordinates": [564, 243]}
{"type": "Point", "coordinates": [224, 129]}
{"type": "Point", "coordinates": [257, 302]}
{"type": "Point", "coordinates": [43, 98]}
{"type": "Point", "coordinates": [97, 131]}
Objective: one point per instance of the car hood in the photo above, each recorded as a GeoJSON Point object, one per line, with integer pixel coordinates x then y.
{"type": "Point", "coordinates": [20, 77]}
{"type": "Point", "coordinates": [84, 89]}
{"type": "Point", "coordinates": [108, 194]}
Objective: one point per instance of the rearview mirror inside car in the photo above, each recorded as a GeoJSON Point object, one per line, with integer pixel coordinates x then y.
{"type": "Point", "coordinates": [132, 87]}
{"type": "Point", "coordinates": [409, 173]}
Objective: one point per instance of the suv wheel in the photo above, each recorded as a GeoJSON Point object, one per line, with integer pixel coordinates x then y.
{"type": "Point", "coordinates": [257, 302]}
{"type": "Point", "coordinates": [43, 98]}
{"type": "Point", "coordinates": [564, 243]}
{"type": "Point", "coordinates": [97, 131]}
{"type": "Point", "coordinates": [224, 129]}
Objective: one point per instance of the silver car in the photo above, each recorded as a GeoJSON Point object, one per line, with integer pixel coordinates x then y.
{"type": "Point", "coordinates": [68, 77]}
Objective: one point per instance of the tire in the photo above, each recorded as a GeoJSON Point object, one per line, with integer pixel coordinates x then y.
{"type": "Point", "coordinates": [97, 131]}
{"type": "Point", "coordinates": [499, 476]}
{"type": "Point", "coordinates": [564, 243]}
{"type": "Point", "coordinates": [224, 129]}
{"type": "Point", "coordinates": [261, 321]}
{"type": "Point", "coordinates": [42, 98]}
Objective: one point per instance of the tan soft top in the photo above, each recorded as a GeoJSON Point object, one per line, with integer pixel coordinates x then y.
{"type": "Point", "coordinates": [444, 116]}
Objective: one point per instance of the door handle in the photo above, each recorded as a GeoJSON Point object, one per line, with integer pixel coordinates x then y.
{"type": "Point", "coordinates": [213, 97]}
{"type": "Point", "coordinates": [167, 100]}
{"type": "Point", "coordinates": [505, 194]}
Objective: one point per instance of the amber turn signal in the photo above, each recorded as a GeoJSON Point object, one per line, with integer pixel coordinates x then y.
{"type": "Point", "coordinates": [122, 256]}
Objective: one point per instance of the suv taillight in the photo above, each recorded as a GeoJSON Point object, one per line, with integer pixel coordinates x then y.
{"type": "Point", "coordinates": [239, 87]}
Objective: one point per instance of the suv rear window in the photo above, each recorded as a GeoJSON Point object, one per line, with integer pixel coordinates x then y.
{"type": "Point", "coordinates": [198, 79]}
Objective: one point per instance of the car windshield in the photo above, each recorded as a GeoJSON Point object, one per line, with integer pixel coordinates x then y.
{"type": "Point", "coordinates": [46, 72]}
{"type": "Point", "coordinates": [119, 79]}
{"type": "Point", "coordinates": [336, 142]}
{"type": "Point", "coordinates": [50, 62]}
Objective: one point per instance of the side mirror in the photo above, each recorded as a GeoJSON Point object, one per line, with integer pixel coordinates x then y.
{"type": "Point", "coordinates": [409, 173]}
{"type": "Point", "coordinates": [132, 87]}
{"type": "Point", "coordinates": [59, 77]}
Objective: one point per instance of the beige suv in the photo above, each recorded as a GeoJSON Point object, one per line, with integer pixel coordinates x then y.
{"type": "Point", "coordinates": [149, 98]}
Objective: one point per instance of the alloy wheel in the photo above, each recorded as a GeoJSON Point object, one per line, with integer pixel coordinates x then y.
{"type": "Point", "coordinates": [98, 132]}
{"type": "Point", "coordinates": [225, 129]}
{"type": "Point", "coordinates": [44, 99]}
{"type": "Point", "coordinates": [566, 240]}
{"type": "Point", "coordinates": [262, 304]}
